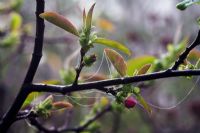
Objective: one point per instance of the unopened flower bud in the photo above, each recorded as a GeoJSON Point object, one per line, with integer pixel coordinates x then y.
{"type": "Point", "coordinates": [130, 102]}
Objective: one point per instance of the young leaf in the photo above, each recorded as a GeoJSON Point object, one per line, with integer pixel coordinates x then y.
{"type": "Point", "coordinates": [44, 107]}
{"type": "Point", "coordinates": [89, 18]}
{"type": "Point", "coordinates": [62, 105]}
{"type": "Point", "coordinates": [93, 76]}
{"type": "Point", "coordinates": [112, 44]}
{"type": "Point", "coordinates": [144, 69]}
{"type": "Point", "coordinates": [117, 60]}
{"type": "Point", "coordinates": [186, 3]}
{"type": "Point", "coordinates": [104, 101]}
{"type": "Point", "coordinates": [136, 63]}
{"type": "Point", "coordinates": [194, 54]}
{"type": "Point", "coordinates": [47, 102]}
{"type": "Point", "coordinates": [16, 22]}
{"type": "Point", "coordinates": [60, 21]}
{"type": "Point", "coordinates": [30, 99]}
{"type": "Point", "coordinates": [11, 39]}
{"type": "Point", "coordinates": [84, 17]}
{"type": "Point", "coordinates": [144, 104]}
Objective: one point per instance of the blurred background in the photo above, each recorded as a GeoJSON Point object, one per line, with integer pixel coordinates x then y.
{"type": "Point", "coordinates": [147, 27]}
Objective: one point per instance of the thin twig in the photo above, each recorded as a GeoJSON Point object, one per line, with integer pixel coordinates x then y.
{"type": "Point", "coordinates": [98, 115]}
{"type": "Point", "coordinates": [184, 55]}
{"type": "Point", "coordinates": [78, 129]}
{"type": "Point", "coordinates": [80, 67]}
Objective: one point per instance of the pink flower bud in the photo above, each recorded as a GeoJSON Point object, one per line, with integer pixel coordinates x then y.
{"type": "Point", "coordinates": [130, 102]}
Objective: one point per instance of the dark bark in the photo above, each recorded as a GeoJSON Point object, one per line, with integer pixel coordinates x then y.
{"type": "Point", "coordinates": [10, 116]}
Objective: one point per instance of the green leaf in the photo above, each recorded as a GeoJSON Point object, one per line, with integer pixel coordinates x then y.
{"type": "Point", "coordinates": [16, 21]}
{"type": "Point", "coordinates": [30, 99]}
{"type": "Point", "coordinates": [11, 39]}
{"type": "Point", "coordinates": [84, 17]}
{"type": "Point", "coordinates": [136, 63]}
{"type": "Point", "coordinates": [60, 21]}
{"type": "Point", "coordinates": [44, 107]}
{"type": "Point", "coordinates": [113, 44]}
{"type": "Point", "coordinates": [34, 95]}
{"type": "Point", "coordinates": [68, 75]}
{"type": "Point", "coordinates": [144, 104]}
{"type": "Point", "coordinates": [144, 69]}
{"type": "Point", "coordinates": [89, 18]}
{"type": "Point", "coordinates": [16, 4]}
{"type": "Point", "coordinates": [117, 60]}
{"type": "Point", "coordinates": [136, 90]}
{"type": "Point", "coordinates": [186, 3]}
{"type": "Point", "coordinates": [47, 103]}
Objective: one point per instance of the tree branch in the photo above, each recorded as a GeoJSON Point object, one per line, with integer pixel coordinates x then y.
{"type": "Point", "coordinates": [10, 116]}
{"type": "Point", "coordinates": [78, 129]}
{"type": "Point", "coordinates": [98, 115]}
{"type": "Point", "coordinates": [28, 87]}
{"type": "Point", "coordinates": [101, 85]}
{"type": "Point", "coordinates": [184, 55]}
{"type": "Point", "coordinates": [25, 115]}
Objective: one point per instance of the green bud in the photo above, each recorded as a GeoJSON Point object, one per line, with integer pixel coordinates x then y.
{"type": "Point", "coordinates": [136, 90]}
{"type": "Point", "coordinates": [89, 60]}
{"type": "Point", "coordinates": [44, 108]}
{"type": "Point", "coordinates": [83, 39]}
{"type": "Point", "coordinates": [119, 97]}
{"type": "Point", "coordinates": [68, 75]}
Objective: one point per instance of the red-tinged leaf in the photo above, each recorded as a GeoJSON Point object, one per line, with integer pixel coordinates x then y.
{"type": "Point", "coordinates": [60, 21]}
{"type": "Point", "coordinates": [84, 17]}
{"type": "Point", "coordinates": [194, 54]}
{"type": "Point", "coordinates": [117, 60]}
{"type": "Point", "coordinates": [62, 105]}
{"type": "Point", "coordinates": [113, 44]}
{"type": "Point", "coordinates": [89, 18]}
{"type": "Point", "coordinates": [144, 104]}
{"type": "Point", "coordinates": [144, 69]}
{"type": "Point", "coordinates": [93, 76]}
